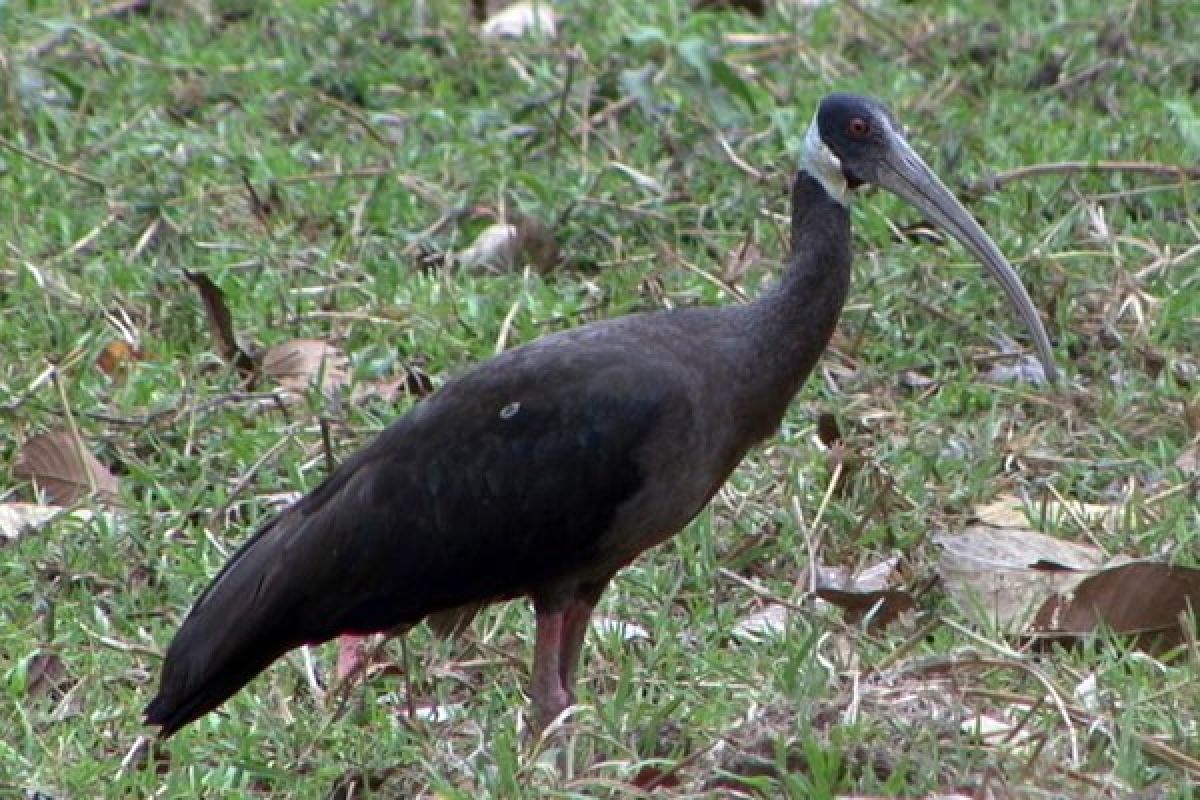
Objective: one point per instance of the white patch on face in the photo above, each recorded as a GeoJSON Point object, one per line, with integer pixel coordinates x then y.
{"type": "Point", "coordinates": [820, 162]}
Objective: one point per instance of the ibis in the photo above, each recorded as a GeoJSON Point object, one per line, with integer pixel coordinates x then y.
{"type": "Point", "coordinates": [543, 471]}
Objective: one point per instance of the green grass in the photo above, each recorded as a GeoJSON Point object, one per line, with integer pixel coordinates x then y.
{"type": "Point", "coordinates": [172, 113]}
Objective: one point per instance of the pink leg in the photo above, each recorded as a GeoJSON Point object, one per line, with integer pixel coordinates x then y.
{"type": "Point", "coordinates": [352, 656]}
{"type": "Point", "coordinates": [550, 698]}
{"type": "Point", "coordinates": [575, 628]}
{"type": "Point", "coordinates": [575, 625]}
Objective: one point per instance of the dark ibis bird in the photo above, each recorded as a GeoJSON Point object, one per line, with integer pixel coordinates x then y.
{"type": "Point", "coordinates": [542, 472]}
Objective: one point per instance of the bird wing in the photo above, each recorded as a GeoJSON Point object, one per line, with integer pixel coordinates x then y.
{"type": "Point", "coordinates": [505, 479]}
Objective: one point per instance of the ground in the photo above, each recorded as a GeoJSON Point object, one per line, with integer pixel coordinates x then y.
{"type": "Point", "coordinates": [331, 167]}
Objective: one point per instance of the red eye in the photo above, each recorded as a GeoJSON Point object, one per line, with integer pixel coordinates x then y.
{"type": "Point", "coordinates": [858, 128]}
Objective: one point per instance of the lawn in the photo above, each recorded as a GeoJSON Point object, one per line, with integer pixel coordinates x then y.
{"type": "Point", "coordinates": [329, 175]}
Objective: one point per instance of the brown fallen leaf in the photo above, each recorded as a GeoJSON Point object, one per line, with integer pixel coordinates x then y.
{"type": "Point", "coordinates": [63, 467]}
{"type": "Point", "coordinates": [220, 322]}
{"type": "Point", "coordinates": [1144, 599]}
{"type": "Point", "coordinates": [881, 608]}
{"type": "Point", "coordinates": [45, 674]}
{"type": "Point", "coordinates": [828, 430]}
{"type": "Point", "coordinates": [537, 244]}
{"type": "Point", "coordinates": [115, 358]}
{"type": "Point", "coordinates": [298, 364]}
{"type": "Point", "coordinates": [509, 246]}
{"type": "Point", "coordinates": [650, 778]}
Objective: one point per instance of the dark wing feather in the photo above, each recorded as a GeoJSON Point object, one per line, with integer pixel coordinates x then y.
{"type": "Point", "coordinates": [503, 481]}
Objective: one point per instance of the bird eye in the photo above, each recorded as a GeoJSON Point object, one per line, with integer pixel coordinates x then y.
{"type": "Point", "coordinates": [858, 127]}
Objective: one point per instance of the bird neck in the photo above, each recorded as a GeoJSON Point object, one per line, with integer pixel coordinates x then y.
{"type": "Point", "coordinates": [794, 321]}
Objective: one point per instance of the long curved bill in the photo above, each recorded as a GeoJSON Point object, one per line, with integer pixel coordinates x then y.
{"type": "Point", "coordinates": [905, 174]}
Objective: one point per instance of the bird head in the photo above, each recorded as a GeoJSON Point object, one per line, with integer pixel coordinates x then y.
{"type": "Point", "coordinates": [855, 140]}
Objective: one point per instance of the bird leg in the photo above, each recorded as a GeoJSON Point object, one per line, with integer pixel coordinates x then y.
{"type": "Point", "coordinates": [560, 635]}
{"type": "Point", "coordinates": [575, 628]}
{"type": "Point", "coordinates": [550, 696]}
{"type": "Point", "coordinates": [352, 656]}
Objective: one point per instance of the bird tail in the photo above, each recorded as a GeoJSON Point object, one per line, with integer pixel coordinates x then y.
{"type": "Point", "coordinates": [250, 615]}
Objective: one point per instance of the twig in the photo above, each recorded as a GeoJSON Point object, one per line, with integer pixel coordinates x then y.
{"type": "Point", "coordinates": [51, 164]}
{"type": "Point", "coordinates": [667, 254]}
{"type": "Point", "coordinates": [737, 160]}
{"type": "Point", "coordinates": [172, 415]}
{"type": "Point", "coordinates": [999, 180]}
{"type": "Point", "coordinates": [760, 590]}
{"type": "Point", "coordinates": [356, 115]}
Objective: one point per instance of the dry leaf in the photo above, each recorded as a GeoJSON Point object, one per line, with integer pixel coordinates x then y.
{"type": "Point", "coordinates": [525, 18]}
{"type": "Point", "coordinates": [1149, 600]}
{"type": "Point", "coordinates": [298, 364]}
{"type": "Point", "coordinates": [1009, 511]}
{"type": "Point", "coordinates": [739, 261]}
{"type": "Point", "coordinates": [116, 357]}
{"type": "Point", "coordinates": [766, 623]}
{"type": "Point", "coordinates": [64, 469]}
{"type": "Point", "coordinates": [537, 245]}
{"type": "Point", "coordinates": [17, 519]}
{"type": "Point", "coordinates": [1001, 576]}
{"type": "Point", "coordinates": [508, 246]}
{"type": "Point", "coordinates": [650, 778]}
{"type": "Point", "coordinates": [495, 246]}
{"type": "Point", "coordinates": [220, 322]}
{"type": "Point", "coordinates": [867, 579]}
{"type": "Point", "coordinates": [1004, 512]}
{"type": "Point", "coordinates": [45, 674]}
{"type": "Point", "coordinates": [828, 431]}
{"type": "Point", "coordinates": [880, 608]}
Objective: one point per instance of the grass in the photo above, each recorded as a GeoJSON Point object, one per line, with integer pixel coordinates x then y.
{"type": "Point", "coordinates": [314, 159]}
